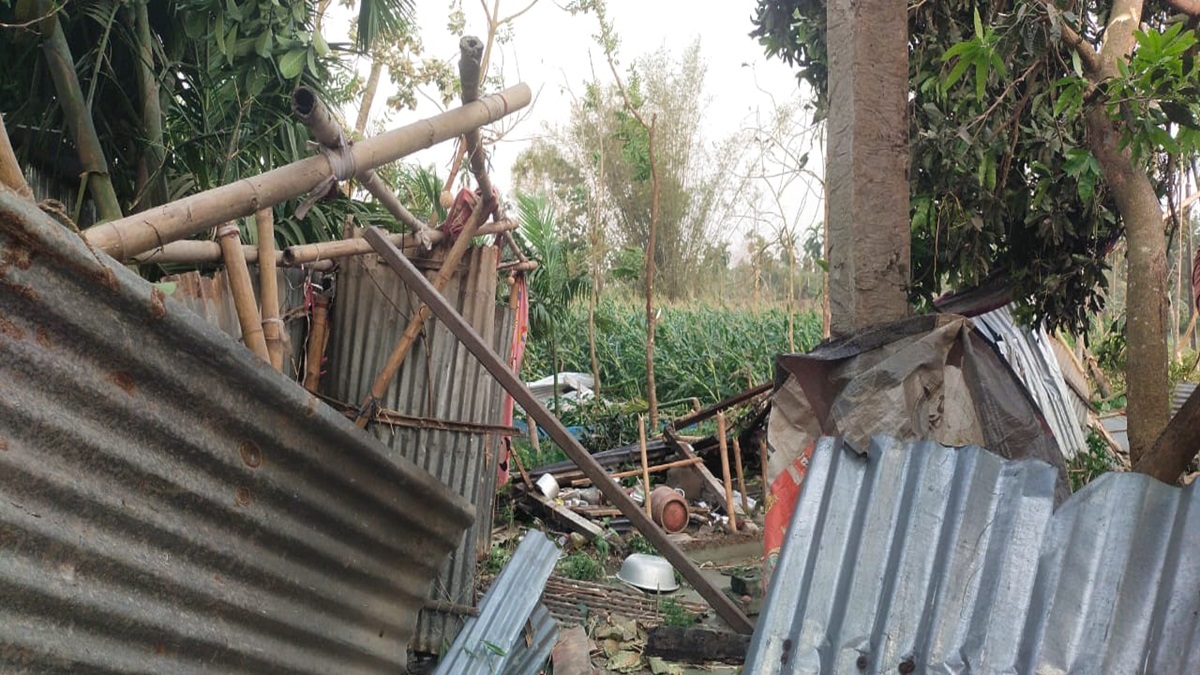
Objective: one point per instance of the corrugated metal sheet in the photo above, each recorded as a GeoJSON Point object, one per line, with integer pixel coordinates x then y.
{"type": "Point", "coordinates": [530, 655]}
{"type": "Point", "coordinates": [439, 379]}
{"type": "Point", "coordinates": [169, 503]}
{"type": "Point", "coordinates": [1032, 358]}
{"type": "Point", "coordinates": [921, 558]}
{"type": "Point", "coordinates": [212, 298]}
{"type": "Point", "coordinates": [487, 643]}
{"type": "Point", "coordinates": [1117, 425]}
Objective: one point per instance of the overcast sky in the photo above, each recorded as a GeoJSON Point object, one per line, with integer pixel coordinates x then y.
{"type": "Point", "coordinates": [553, 52]}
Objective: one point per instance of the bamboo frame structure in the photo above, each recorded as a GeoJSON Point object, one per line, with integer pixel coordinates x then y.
{"type": "Point", "coordinates": [469, 73]}
{"type": "Point", "coordinates": [304, 254]}
{"type": "Point", "coordinates": [657, 468]}
{"type": "Point", "coordinates": [202, 252]}
{"type": "Point", "coordinates": [499, 369]}
{"type": "Point", "coordinates": [730, 509]}
{"type": "Point", "coordinates": [268, 287]}
{"type": "Point", "coordinates": [243, 292]}
{"type": "Point", "coordinates": [129, 236]}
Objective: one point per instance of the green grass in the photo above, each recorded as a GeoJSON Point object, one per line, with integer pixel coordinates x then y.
{"type": "Point", "coordinates": [581, 567]}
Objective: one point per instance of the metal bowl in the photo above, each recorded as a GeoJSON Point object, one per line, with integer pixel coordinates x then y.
{"type": "Point", "coordinates": [649, 573]}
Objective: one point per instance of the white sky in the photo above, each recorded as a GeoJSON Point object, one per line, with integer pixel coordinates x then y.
{"type": "Point", "coordinates": [553, 52]}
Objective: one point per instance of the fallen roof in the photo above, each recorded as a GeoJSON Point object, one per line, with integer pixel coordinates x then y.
{"type": "Point", "coordinates": [168, 502]}
{"type": "Point", "coordinates": [922, 558]}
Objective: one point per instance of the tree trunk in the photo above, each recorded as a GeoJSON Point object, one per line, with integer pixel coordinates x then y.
{"type": "Point", "coordinates": [867, 183]}
{"type": "Point", "coordinates": [1175, 448]}
{"type": "Point", "coordinates": [1145, 306]}
{"type": "Point", "coordinates": [651, 393]}
{"type": "Point", "coordinates": [76, 115]}
{"type": "Point", "coordinates": [154, 190]}
{"type": "Point", "coordinates": [368, 98]}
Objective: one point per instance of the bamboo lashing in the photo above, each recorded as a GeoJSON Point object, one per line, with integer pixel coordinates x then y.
{"type": "Point", "coordinates": [243, 293]}
{"type": "Point", "coordinates": [729, 507]}
{"type": "Point", "coordinates": [645, 467]}
{"type": "Point", "coordinates": [129, 236]}
{"type": "Point", "coordinates": [741, 478]}
{"type": "Point", "coordinates": [469, 74]}
{"type": "Point", "coordinates": [268, 287]}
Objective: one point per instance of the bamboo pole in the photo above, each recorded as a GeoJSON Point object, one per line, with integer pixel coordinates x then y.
{"type": "Point", "coordinates": [645, 464]}
{"type": "Point", "coordinates": [316, 344]}
{"type": "Point", "coordinates": [203, 252]}
{"type": "Point", "coordinates": [77, 116]}
{"type": "Point", "coordinates": [243, 293]}
{"type": "Point", "coordinates": [500, 370]}
{"type": "Point", "coordinates": [136, 234]}
{"type": "Point", "coordinates": [10, 171]}
{"type": "Point", "coordinates": [268, 285]}
{"type": "Point", "coordinates": [729, 507]}
{"type": "Point", "coordinates": [153, 191]}
{"type": "Point", "coordinates": [312, 111]}
{"type": "Point", "coordinates": [657, 468]}
{"type": "Point", "coordinates": [468, 69]}
{"type": "Point", "coordinates": [762, 458]}
{"type": "Point", "coordinates": [741, 478]}
{"type": "Point", "coordinates": [344, 248]}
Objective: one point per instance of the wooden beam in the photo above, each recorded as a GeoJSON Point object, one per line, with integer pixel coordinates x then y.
{"type": "Point", "coordinates": [452, 320]}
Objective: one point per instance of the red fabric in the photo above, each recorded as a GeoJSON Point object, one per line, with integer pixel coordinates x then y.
{"type": "Point", "coordinates": [785, 490]}
{"type": "Point", "coordinates": [517, 355]}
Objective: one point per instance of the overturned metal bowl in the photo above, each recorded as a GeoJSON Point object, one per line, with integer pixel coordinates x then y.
{"type": "Point", "coordinates": [649, 573]}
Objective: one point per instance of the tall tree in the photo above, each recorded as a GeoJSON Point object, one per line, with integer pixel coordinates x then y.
{"type": "Point", "coordinates": [1039, 135]}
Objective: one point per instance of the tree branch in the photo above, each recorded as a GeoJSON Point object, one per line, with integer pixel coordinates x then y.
{"type": "Point", "coordinates": [1189, 7]}
{"type": "Point", "coordinates": [1087, 53]}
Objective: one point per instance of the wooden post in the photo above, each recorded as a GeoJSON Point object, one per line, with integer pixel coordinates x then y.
{"type": "Point", "coordinates": [268, 287]}
{"type": "Point", "coordinates": [729, 507]}
{"type": "Point", "coordinates": [500, 371]}
{"type": "Point", "coordinates": [867, 183]}
{"type": "Point", "coordinates": [741, 478]}
{"type": "Point", "coordinates": [127, 237]}
{"type": "Point", "coordinates": [316, 344]}
{"type": "Point", "coordinates": [243, 291]}
{"type": "Point", "coordinates": [645, 464]}
{"type": "Point", "coordinates": [762, 458]}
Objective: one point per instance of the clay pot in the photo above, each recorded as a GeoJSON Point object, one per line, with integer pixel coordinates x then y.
{"type": "Point", "coordinates": [669, 509]}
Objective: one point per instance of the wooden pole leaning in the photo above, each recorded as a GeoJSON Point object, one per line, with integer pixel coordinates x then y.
{"type": "Point", "coordinates": [141, 232]}
{"type": "Point", "coordinates": [243, 292]}
{"type": "Point", "coordinates": [449, 317]}
{"type": "Point", "coordinates": [728, 484]}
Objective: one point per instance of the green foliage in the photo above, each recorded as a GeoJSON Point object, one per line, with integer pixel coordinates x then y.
{"type": "Point", "coordinates": [497, 557]}
{"type": "Point", "coordinates": [1158, 93]}
{"type": "Point", "coordinates": [1090, 465]}
{"type": "Point", "coordinates": [581, 566]}
{"type": "Point", "coordinates": [1000, 181]}
{"type": "Point", "coordinates": [561, 276]}
{"type": "Point", "coordinates": [674, 613]}
{"type": "Point", "coordinates": [640, 544]}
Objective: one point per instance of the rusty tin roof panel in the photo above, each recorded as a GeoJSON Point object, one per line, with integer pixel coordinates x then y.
{"type": "Point", "coordinates": [168, 503]}
{"type": "Point", "coordinates": [921, 558]}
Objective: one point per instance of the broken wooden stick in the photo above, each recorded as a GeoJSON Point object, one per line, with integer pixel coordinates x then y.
{"type": "Point", "coordinates": [741, 478]}
{"type": "Point", "coordinates": [729, 507]}
{"type": "Point", "coordinates": [316, 344]}
{"type": "Point", "coordinates": [658, 468]}
{"type": "Point", "coordinates": [645, 464]}
{"type": "Point", "coordinates": [450, 318]}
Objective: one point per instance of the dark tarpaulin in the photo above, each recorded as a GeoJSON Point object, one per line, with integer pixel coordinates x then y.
{"type": "Point", "coordinates": [929, 377]}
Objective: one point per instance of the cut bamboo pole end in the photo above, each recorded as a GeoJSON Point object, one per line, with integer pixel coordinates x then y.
{"type": "Point", "coordinates": [729, 507]}
{"type": "Point", "coordinates": [645, 464]}
{"type": "Point", "coordinates": [315, 353]}
{"type": "Point", "coordinates": [243, 292]}
{"type": "Point", "coordinates": [126, 237]}
{"type": "Point", "coordinates": [268, 284]}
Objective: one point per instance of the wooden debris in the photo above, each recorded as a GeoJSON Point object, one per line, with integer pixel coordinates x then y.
{"type": "Point", "coordinates": [728, 484]}
{"type": "Point", "coordinates": [573, 602]}
{"type": "Point", "coordinates": [564, 516]}
{"type": "Point", "coordinates": [697, 645]}
{"type": "Point", "coordinates": [572, 652]}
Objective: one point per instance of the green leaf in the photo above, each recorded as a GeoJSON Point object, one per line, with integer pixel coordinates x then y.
{"type": "Point", "coordinates": [292, 63]}
{"type": "Point", "coordinates": [320, 44]}
{"type": "Point", "coordinates": [262, 46]}
{"type": "Point", "coordinates": [978, 25]}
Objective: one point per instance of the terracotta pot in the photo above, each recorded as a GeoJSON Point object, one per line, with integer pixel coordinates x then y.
{"type": "Point", "coordinates": [669, 509]}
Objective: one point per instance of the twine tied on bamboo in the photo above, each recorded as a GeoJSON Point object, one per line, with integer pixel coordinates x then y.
{"type": "Point", "coordinates": [342, 167]}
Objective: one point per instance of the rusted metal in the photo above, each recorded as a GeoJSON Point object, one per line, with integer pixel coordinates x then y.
{"type": "Point", "coordinates": [451, 319]}
{"type": "Point", "coordinates": [169, 503]}
{"type": "Point", "coordinates": [393, 418]}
